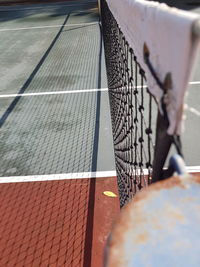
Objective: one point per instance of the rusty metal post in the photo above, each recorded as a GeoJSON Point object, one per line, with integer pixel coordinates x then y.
{"type": "Point", "coordinates": [160, 227]}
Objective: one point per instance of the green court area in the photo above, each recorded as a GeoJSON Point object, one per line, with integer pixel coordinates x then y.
{"type": "Point", "coordinates": [53, 98]}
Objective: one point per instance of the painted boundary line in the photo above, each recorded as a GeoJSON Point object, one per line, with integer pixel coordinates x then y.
{"type": "Point", "coordinates": [70, 91]}
{"type": "Point", "coordinates": [195, 82]}
{"type": "Point", "coordinates": [57, 177]}
{"type": "Point", "coordinates": [190, 83]}
{"type": "Point", "coordinates": [56, 93]}
{"type": "Point", "coordinates": [51, 26]}
{"type": "Point", "coordinates": [193, 169]}
{"type": "Point", "coordinates": [192, 110]}
{"type": "Point", "coordinates": [68, 176]}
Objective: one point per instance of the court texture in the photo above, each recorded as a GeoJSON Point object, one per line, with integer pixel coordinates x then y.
{"type": "Point", "coordinates": [56, 151]}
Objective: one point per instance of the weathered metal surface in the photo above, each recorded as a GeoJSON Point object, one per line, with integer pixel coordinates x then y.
{"type": "Point", "coordinates": [160, 227]}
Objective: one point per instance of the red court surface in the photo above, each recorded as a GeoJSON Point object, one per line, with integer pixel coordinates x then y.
{"type": "Point", "coordinates": [56, 223]}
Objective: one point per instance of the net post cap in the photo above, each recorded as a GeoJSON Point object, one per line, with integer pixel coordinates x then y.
{"type": "Point", "coordinates": [159, 227]}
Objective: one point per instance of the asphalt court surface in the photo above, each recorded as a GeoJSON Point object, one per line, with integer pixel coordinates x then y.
{"type": "Point", "coordinates": [22, 51]}
{"type": "Point", "coordinates": [59, 71]}
{"type": "Point", "coordinates": [54, 48]}
{"type": "Point", "coordinates": [60, 49]}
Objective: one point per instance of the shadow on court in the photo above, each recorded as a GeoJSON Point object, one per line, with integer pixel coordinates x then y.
{"type": "Point", "coordinates": [57, 133]}
{"type": "Point", "coordinates": [45, 12]}
{"type": "Point", "coordinates": [31, 77]}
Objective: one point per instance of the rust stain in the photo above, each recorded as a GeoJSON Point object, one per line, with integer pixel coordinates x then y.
{"type": "Point", "coordinates": [183, 243]}
{"type": "Point", "coordinates": [178, 217]}
{"type": "Point", "coordinates": [188, 199]}
{"type": "Point", "coordinates": [112, 253]}
{"type": "Point", "coordinates": [133, 214]}
{"type": "Point", "coordinates": [148, 193]}
{"type": "Point", "coordinates": [174, 181]}
{"type": "Point", "coordinates": [117, 234]}
{"type": "Point", "coordinates": [196, 178]}
{"type": "Point", "coordinates": [142, 238]}
{"type": "Point", "coordinates": [156, 224]}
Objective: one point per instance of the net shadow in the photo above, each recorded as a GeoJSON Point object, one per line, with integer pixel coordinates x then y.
{"type": "Point", "coordinates": [44, 223]}
{"type": "Point", "coordinates": [131, 107]}
{"type": "Point", "coordinates": [31, 77]}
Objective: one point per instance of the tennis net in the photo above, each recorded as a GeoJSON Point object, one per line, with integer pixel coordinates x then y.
{"type": "Point", "coordinates": [132, 130]}
{"type": "Point", "coordinates": [137, 139]}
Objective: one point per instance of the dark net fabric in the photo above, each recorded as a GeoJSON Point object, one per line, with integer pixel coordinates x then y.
{"type": "Point", "coordinates": [131, 110]}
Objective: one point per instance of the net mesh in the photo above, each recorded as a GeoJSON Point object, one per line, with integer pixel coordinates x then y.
{"type": "Point", "coordinates": [131, 107]}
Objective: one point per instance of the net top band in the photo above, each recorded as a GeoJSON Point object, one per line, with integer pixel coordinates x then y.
{"type": "Point", "coordinates": [173, 48]}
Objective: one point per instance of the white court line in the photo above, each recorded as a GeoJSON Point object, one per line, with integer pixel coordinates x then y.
{"type": "Point", "coordinates": [192, 110]}
{"type": "Point", "coordinates": [68, 176]}
{"type": "Point", "coordinates": [193, 169]}
{"type": "Point", "coordinates": [52, 26]}
{"type": "Point", "coordinates": [56, 93]}
{"type": "Point", "coordinates": [190, 83]}
{"type": "Point", "coordinates": [193, 83]}
{"type": "Point", "coordinates": [68, 92]}
{"type": "Point", "coordinates": [56, 177]}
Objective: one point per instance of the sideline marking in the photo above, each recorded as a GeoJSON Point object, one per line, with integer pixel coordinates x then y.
{"type": "Point", "coordinates": [193, 83]}
{"type": "Point", "coordinates": [192, 110]}
{"type": "Point", "coordinates": [74, 92]}
{"type": "Point", "coordinates": [68, 176]}
{"type": "Point", "coordinates": [55, 177]}
{"type": "Point", "coordinates": [51, 26]}
{"type": "Point", "coordinates": [190, 83]}
{"type": "Point", "coordinates": [56, 93]}
{"type": "Point", "coordinates": [193, 169]}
